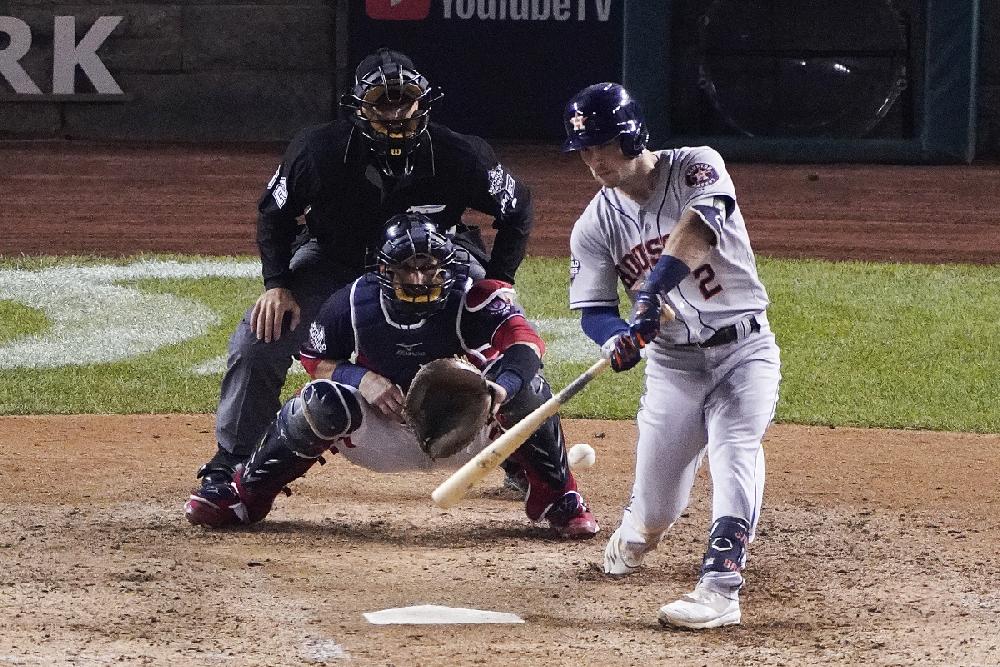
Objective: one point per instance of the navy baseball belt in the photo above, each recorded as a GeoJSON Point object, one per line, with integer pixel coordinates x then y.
{"type": "Point", "coordinates": [727, 334]}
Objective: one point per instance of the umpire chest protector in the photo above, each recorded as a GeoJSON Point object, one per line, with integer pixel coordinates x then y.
{"type": "Point", "coordinates": [349, 200]}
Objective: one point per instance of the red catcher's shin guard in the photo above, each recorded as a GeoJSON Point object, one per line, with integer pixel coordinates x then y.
{"type": "Point", "coordinates": [258, 485]}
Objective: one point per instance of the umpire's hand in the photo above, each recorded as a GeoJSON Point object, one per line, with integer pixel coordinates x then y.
{"type": "Point", "coordinates": [267, 318]}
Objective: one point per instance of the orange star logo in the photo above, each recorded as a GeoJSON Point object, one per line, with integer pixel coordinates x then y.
{"type": "Point", "coordinates": [578, 120]}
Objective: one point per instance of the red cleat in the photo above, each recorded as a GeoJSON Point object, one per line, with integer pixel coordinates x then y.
{"type": "Point", "coordinates": [570, 518]}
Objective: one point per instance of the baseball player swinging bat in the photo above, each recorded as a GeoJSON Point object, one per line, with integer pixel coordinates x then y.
{"type": "Point", "coordinates": [453, 489]}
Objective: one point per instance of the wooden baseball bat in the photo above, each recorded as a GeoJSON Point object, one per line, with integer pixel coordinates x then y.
{"type": "Point", "coordinates": [455, 487]}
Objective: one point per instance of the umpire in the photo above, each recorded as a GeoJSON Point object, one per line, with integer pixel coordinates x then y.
{"type": "Point", "coordinates": [346, 178]}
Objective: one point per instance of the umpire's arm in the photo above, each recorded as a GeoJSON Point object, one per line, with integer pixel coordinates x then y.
{"type": "Point", "coordinates": [288, 193]}
{"type": "Point", "coordinates": [511, 242]}
{"type": "Point", "coordinates": [508, 200]}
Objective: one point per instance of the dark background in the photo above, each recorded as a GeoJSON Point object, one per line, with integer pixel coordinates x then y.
{"type": "Point", "coordinates": [260, 70]}
{"type": "Point", "coordinates": [502, 79]}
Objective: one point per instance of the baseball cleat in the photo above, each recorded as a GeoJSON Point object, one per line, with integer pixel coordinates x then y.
{"type": "Point", "coordinates": [701, 609]}
{"type": "Point", "coordinates": [621, 557]}
{"type": "Point", "coordinates": [517, 483]}
{"type": "Point", "coordinates": [215, 506]}
{"type": "Point", "coordinates": [570, 518]}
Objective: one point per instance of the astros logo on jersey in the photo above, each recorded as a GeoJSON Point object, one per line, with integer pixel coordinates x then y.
{"type": "Point", "coordinates": [700, 175]}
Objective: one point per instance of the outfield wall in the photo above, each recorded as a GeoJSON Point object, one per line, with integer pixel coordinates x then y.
{"type": "Point", "coordinates": [196, 70]}
{"type": "Point", "coordinates": [250, 70]}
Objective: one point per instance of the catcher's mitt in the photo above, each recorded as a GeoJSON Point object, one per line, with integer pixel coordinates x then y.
{"type": "Point", "coordinates": [447, 404]}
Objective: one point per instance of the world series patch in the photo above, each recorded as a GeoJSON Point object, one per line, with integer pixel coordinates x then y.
{"type": "Point", "coordinates": [317, 337]}
{"type": "Point", "coordinates": [700, 175]}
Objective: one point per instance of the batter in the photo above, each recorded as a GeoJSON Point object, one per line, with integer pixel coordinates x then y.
{"type": "Point", "coordinates": [666, 224]}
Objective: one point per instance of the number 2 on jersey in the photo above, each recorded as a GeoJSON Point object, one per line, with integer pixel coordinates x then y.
{"type": "Point", "coordinates": [705, 274]}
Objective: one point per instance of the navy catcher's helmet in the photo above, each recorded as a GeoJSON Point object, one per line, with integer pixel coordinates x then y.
{"type": "Point", "coordinates": [389, 104]}
{"type": "Point", "coordinates": [417, 266]}
{"type": "Point", "coordinates": [599, 113]}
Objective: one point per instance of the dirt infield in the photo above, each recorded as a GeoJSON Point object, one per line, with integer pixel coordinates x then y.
{"type": "Point", "coordinates": [870, 552]}
{"type": "Point", "coordinates": [871, 545]}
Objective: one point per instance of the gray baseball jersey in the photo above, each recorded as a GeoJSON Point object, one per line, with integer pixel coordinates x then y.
{"type": "Point", "coordinates": [716, 400]}
{"type": "Point", "coordinates": [616, 239]}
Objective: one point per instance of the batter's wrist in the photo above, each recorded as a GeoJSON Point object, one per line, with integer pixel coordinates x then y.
{"type": "Point", "coordinates": [667, 274]}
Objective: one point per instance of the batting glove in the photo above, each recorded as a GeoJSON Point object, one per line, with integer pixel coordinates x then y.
{"type": "Point", "coordinates": [644, 324]}
{"type": "Point", "coordinates": [622, 350]}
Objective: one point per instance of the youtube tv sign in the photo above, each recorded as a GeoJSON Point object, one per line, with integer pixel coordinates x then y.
{"type": "Point", "coordinates": [506, 67]}
{"type": "Point", "coordinates": [398, 10]}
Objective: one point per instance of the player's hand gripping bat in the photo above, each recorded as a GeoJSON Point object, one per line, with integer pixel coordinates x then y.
{"type": "Point", "coordinates": [455, 487]}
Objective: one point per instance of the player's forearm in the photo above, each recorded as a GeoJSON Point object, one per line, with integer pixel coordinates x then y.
{"type": "Point", "coordinates": [691, 240]}
{"type": "Point", "coordinates": [688, 246]}
{"type": "Point", "coordinates": [341, 370]}
{"type": "Point", "coordinates": [600, 323]}
{"type": "Point", "coordinates": [516, 367]}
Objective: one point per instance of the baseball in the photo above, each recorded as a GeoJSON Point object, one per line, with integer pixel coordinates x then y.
{"type": "Point", "coordinates": [581, 455]}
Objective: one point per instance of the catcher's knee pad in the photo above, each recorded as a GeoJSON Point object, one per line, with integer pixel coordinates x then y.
{"type": "Point", "coordinates": [727, 546]}
{"type": "Point", "coordinates": [527, 400]}
{"type": "Point", "coordinates": [322, 412]}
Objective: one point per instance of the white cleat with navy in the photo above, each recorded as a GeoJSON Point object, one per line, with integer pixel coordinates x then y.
{"type": "Point", "coordinates": [704, 607]}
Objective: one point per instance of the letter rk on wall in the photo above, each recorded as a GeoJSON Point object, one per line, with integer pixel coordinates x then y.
{"type": "Point", "coordinates": [67, 53]}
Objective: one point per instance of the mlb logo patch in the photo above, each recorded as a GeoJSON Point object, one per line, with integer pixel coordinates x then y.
{"type": "Point", "coordinates": [398, 10]}
{"type": "Point", "coordinates": [700, 175]}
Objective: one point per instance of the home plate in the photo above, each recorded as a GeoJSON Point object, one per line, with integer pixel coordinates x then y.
{"type": "Point", "coordinates": [435, 614]}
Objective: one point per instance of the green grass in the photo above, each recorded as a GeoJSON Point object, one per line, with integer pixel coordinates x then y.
{"type": "Point", "coordinates": [884, 345]}
{"type": "Point", "coordinates": [863, 344]}
{"type": "Point", "coordinates": [18, 320]}
{"type": "Point", "coordinates": [887, 344]}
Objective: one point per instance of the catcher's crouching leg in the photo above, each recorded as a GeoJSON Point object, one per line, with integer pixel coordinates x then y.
{"type": "Point", "coordinates": [552, 492]}
{"type": "Point", "coordinates": [305, 427]}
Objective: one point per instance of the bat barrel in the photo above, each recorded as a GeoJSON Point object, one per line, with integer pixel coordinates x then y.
{"type": "Point", "coordinates": [453, 489]}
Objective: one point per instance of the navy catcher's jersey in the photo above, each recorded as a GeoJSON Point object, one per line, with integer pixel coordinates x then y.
{"type": "Point", "coordinates": [326, 175]}
{"type": "Point", "coordinates": [355, 325]}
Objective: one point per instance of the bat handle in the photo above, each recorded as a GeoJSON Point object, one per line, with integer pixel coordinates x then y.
{"type": "Point", "coordinates": [570, 390]}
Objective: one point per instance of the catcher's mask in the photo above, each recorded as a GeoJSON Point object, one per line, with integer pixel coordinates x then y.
{"type": "Point", "coordinates": [390, 104]}
{"type": "Point", "coordinates": [416, 267]}
{"type": "Point", "coordinates": [599, 113]}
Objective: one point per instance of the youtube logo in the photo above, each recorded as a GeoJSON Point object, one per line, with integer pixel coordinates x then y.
{"type": "Point", "coordinates": [398, 10]}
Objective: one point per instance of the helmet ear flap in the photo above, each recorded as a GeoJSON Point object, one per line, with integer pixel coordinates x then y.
{"type": "Point", "coordinates": [634, 144]}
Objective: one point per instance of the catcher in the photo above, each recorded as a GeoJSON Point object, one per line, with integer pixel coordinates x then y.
{"type": "Point", "coordinates": [390, 394]}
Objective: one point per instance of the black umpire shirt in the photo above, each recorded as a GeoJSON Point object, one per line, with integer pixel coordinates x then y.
{"type": "Point", "coordinates": [328, 175]}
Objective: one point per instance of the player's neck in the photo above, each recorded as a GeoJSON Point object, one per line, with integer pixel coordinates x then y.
{"type": "Point", "coordinates": [639, 186]}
